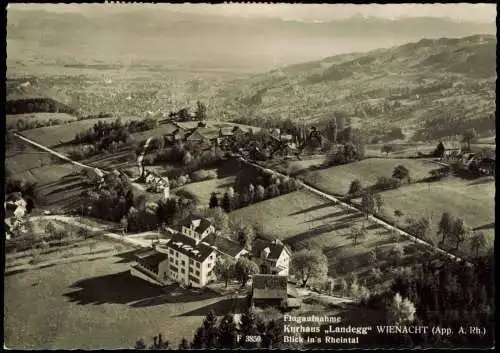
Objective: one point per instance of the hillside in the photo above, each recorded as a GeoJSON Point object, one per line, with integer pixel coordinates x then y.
{"type": "Point", "coordinates": [430, 88]}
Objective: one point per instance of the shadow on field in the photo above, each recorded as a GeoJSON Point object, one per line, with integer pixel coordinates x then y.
{"type": "Point", "coordinates": [123, 288]}
{"type": "Point", "coordinates": [313, 208]}
{"type": "Point", "coordinates": [325, 228]}
{"type": "Point", "coordinates": [223, 307]}
{"type": "Point", "coordinates": [333, 215]}
{"type": "Point", "coordinates": [482, 181]}
{"type": "Point", "coordinates": [126, 257]}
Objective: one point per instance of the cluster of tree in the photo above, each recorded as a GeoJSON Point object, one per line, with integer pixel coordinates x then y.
{"type": "Point", "coordinates": [103, 134]}
{"type": "Point", "coordinates": [444, 124]}
{"type": "Point", "coordinates": [227, 333]}
{"type": "Point", "coordinates": [446, 294]}
{"type": "Point", "coordinates": [394, 133]}
{"type": "Point", "coordinates": [241, 270]}
{"type": "Point", "coordinates": [112, 201]}
{"type": "Point", "coordinates": [26, 188]}
{"type": "Point", "coordinates": [27, 124]}
{"type": "Point", "coordinates": [143, 216]}
{"type": "Point", "coordinates": [347, 287]}
{"type": "Point", "coordinates": [455, 231]}
{"type": "Point", "coordinates": [183, 114]}
{"type": "Point", "coordinates": [232, 200]}
{"type": "Point", "coordinates": [36, 105]}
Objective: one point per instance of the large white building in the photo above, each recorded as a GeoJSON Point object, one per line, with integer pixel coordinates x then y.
{"type": "Point", "coordinates": [188, 257]}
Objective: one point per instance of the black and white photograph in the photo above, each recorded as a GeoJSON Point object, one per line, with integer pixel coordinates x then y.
{"type": "Point", "coordinates": [249, 175]}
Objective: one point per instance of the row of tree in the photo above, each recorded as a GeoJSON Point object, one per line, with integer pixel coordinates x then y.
{"type": "Point", "coordinates": [253, 331]}
{"type": "Point", "coordinates": [232, 200]}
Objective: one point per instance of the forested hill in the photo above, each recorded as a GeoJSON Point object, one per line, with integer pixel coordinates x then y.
{"type": "Point", "coordinates": [430, 88]}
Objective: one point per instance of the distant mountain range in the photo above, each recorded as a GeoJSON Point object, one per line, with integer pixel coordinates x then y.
{"type": "Point", "coordinates": [193, 40]}
{"type": "Point", "coordinates": [430, 88]}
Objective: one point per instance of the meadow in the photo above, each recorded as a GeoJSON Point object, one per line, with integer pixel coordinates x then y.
{"type": "Point", "coordinates": [13, 120]}
{"type": "Point", "coordinates": [336, 180]}
{"type": "Point", "coordinates": [303, 219]}
{"type": "Point", "coordinates": [471, 200]}
{"type": "Point", "coordinates": [202, 190]}
{"type": "Point", "coordinates": [95, 303]}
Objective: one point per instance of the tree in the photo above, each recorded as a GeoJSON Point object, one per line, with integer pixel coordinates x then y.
{"type": "Point", "coordinates": [355, 187]}
{"type": "Point", "coordinates": [244, 268]}
{"type": "Point", "coordinates": [248, 327]}
{"type": "Point", "coordinates": [343, 286]}
{"type": "Point", "coordinates": [459, 232]}
{"type": "Point", "coordinates": [260, 193]}
{"type": "Point", "coordinates": [214, 201]}
{"type": "Point", "coordinates": [226, 202]}
{"type": "Point", "coordinates": [219, 219]}
{"type": "Point", "coordinates": [201, 111]}
{"type": "Point", "coordinates": [243, 234]}
{"type": "Point", "coordinates": [187, 158]}
{"type": "Point", "coordinates": [331, 130]}
{"type": "Point", "coordinates": [367, 203]}
{"type": "Point", "coordinates": [358, 233]}
{"type": "Point", "coordinates": [227, 332]}
{"type": "Point", "coordinates": [50, 229]}
{"type": "Point", "coordinates": [379, 202]}
{"type": "Point", "coordinates": [371, 257]}
{"type": "Point", "coordinates": [478, 242]}
{"type": "Point", "coordinates": [445, 226]}
{"type": "Point", "coordinates": [387, 149]}
{"type": "Point", "coordinates": [224, 269]}
{"type": "Point", "coordinates": [206, 335]}
{"type": "Point", "coordinates": [308, 264]}
{"type": "Point", "coordinates": [419, 227]}
{"type": "Point", "coordinates": [184, 344]}
{"type": "Point", "coordinates": [401, 173]}
{"type": "Point", "coordinates": [468, 137]}
{"type": "Point", "coordinates": [401, 311]}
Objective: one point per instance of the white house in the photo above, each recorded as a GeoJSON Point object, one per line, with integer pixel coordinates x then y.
{"type": "Point", "coordinates": [272, 257]}
{"type": "Point", "coordinates": [187, 257]}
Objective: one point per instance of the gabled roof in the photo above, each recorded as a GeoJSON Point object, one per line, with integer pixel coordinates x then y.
{"type": "Point", "coordinates": [201, 224]}
{"type": "Point", "coordinates": [225, 245]}
{"type": "Point", "coordinates": [275, 249]}
{"type": "Point", "coordinates": [188, 247]}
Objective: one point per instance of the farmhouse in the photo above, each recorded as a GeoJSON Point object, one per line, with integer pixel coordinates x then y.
{"type": "Point", "coordinates": [269, 290]}
{"type": "Point", "coordinates": [156, 183]}
{"type": "Point", "coordinates": [187, 257]}
{"type": "Point", "coordinates": [271, 257]}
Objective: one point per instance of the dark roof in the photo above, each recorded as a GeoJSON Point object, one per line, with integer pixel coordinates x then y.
{"type": "Point", "coordinates": [188, 247]}
{"type": "Point", "coordinates": [203, 226]}
{"type": "Point", "coordinates": [227, 246]}
{"type": "Point", "coordinates": [152, 259]}
{"type": "Point", "coordinates": [275, 249]}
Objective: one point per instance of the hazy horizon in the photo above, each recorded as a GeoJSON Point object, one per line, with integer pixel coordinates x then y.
{"type": "Point", "coordinates": [480, 12]}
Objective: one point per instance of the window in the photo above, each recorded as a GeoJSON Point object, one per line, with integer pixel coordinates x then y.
{"type": "Point", "coordinates": [193, 279]}
{"type": "Point", "coordinates": [170, 251]}
{"type": "Point", "coordinates": [211, 257]}
{"type": "Point", "coordinates": [197, 264]}
{"type": "Point", "coordinates": [176, 254]}
{"type": "Point", "coordinates": [177, 262]}
{"type": "Point", "coordinates": [182, 270]}
{"type": "Point", "coordinates": [191, 270]}
{"type": "Point", "coordinates": [183, 263]}
{"type": "Point", "coordinates": [198, 273]}
{"type": "Point", "coordinates": [209, 265]}
{"type": "Point", "coordinates": [173, 268]}
{"type": "Point", "coordinates": [191, 262]}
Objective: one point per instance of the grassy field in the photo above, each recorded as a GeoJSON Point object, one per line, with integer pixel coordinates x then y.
{"type": "Point", "coordinates": [60, 134]}
{"type": "Point", "coordinates": [95, 304]}
{"type": "Point", "coordinates": [305, 219]}
{"type": "Point", "coordinates": [12, 120]}
{"type": "Point", "coordinates": [202, 190]}
{"type": "Point", "coordinates": [473, 201]}
{"type": "Point", "coordinates": [336, 180]}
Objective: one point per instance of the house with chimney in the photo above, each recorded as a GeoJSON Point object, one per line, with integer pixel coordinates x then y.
{"type": "Point", "coordinates": [157, 184]}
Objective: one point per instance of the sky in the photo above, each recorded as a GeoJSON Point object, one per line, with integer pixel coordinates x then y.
{"type": "Point", "coordinates": [481, 12]}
